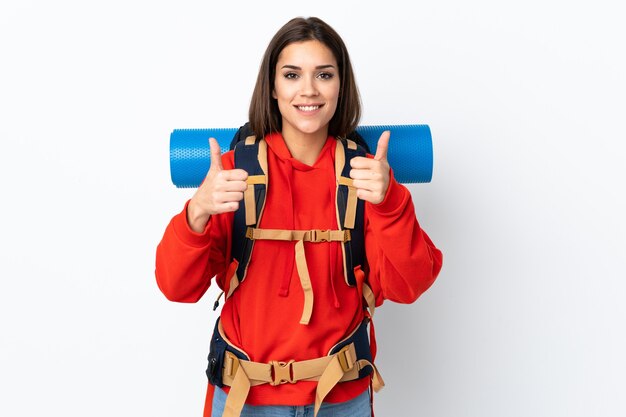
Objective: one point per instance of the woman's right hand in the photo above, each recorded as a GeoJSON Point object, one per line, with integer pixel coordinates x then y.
{"type": "Point", "coordinates": [220, 192]}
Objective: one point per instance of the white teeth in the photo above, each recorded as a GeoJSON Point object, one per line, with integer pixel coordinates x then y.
{"type": "Point", "coordinates": [308, 108]}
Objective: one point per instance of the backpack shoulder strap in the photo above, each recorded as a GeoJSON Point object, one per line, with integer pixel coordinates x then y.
{"type": "Point", "coordinates": [251, 156]}
{"type": "Point", "coordinates": [350, 209]}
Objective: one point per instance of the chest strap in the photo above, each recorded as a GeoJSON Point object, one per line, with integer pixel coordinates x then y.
{"type": "Point", "coordinates": [301, 236]}
{"type": "Point", "coordinates": [315, 235]}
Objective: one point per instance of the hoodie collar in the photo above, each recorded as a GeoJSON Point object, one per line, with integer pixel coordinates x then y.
{"type": "Point", "coordinates": [277, 144]}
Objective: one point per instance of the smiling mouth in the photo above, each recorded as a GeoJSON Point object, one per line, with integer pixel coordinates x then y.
{"type": "Point", "coordinates": [308, 108]}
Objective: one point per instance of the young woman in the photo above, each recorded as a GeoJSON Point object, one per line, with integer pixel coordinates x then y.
{"type": "Point", "coordinates": [303, 291]}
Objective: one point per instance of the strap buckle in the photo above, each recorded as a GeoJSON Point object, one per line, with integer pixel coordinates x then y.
{"type": "Point", "coordinates": [346, 360]}
{"type": "Point", "coordinates": [250, 233]}
{"type": "Point", "coordinates": [231, 364]}
{"type": "Point", "coordinates": [282, 372]}
{"type": "Point", "coordinates": [320, 235]}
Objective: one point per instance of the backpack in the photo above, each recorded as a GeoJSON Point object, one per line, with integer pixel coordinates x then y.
{"type": "Point", "coordinates": [251, 155]}
{"type": "Point", "coordinates": [224, 359]}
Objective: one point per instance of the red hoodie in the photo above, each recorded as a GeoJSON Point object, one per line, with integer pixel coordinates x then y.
{"type": "Point", "coordinates": [263, 314]}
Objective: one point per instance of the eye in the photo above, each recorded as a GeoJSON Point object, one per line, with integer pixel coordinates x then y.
{"type": "Point", "coordinates": [290, 75]}
{"type": "Point", "coordinates": [325, 75]}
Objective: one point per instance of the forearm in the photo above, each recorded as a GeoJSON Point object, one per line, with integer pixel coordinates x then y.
{"type": "Point", "coordinates": [196, 218]}
{"type": "Point", "coordinates": [186, 260]}
{"type": "Point", "coordinates": [403, 260]}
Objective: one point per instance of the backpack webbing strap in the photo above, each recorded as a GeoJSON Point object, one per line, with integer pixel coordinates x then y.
{"type": "Point", "coordinates": [248, 197]}
{"type": "Point", "coordinates": [342, 366]}
{"type": "Point", "coordinates": [348, 360]}
{"type": "Point", "coordinates": [301, 236]}
{"type": "Point", "coordinates": [345, 362]}
{"type": "Point", "coordinates": [315, 235]}
{"type": "Point", "coordinates": [233, 284]}
{"type": "Point", "coordinates": [305, 282]}
{"type": "Point", "coordinates": [352, 202]}
{"type": "Point", "coordinates": [370, 299]}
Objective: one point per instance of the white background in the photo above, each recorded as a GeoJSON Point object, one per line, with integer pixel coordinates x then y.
{"type": "Point", "coordinates": [526, 103]}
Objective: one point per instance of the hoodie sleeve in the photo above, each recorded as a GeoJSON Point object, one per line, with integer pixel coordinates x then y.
{"type": "Point", "coordinates": [402, 260]}
{"type": "Point", "coordinates": [187, 261]}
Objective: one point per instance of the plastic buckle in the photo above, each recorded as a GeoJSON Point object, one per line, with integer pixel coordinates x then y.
{"type": "Point", "coordinates": [282, 372]}
{"type": "Point", "coordinates": [320, 235]}
{"type": "Point", "coordinates": [231, 364]}
{"type": "Point", "coordinates": [345, 358]}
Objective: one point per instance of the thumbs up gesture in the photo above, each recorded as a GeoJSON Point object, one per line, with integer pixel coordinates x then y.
{"type": "Point", "coordinates": [220, 192]}
{"type": "Point", "coordinates": [371, 176]}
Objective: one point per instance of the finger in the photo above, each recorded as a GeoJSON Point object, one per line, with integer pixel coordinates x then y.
{"type": "Point", "coordinates": [216, 155]}
{"type": "Point", "coordinates": [363, 174]}
{"type": "Point", "coordinates": [367, 195]}
{"type": "Point", "coordinates": [230, 196]}
{"type": "Point", "coordinates": [361, 162]}
{"type": "Point", "coordinates": [365, 185]}
{"type": "Point", "coordinates": [235, 175]}
{"type": "Point", "coordinates": [383, 146]}
{"type": "Point", "coordinates": [239, 186]}
{"type": "Point", "coordinates": [227, 207]}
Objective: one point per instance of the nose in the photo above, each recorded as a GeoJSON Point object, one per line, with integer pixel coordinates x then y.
{"type": "Point", "coordinates": [308, 87]}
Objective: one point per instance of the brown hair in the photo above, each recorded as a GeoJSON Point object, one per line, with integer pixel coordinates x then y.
{"type": "Point", "coordinates": [264, 115]}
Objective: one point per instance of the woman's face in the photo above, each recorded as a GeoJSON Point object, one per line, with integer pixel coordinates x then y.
{"type": "Point", "coordinates": [306, 87]}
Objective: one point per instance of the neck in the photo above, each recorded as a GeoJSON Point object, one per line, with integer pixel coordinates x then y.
{"type": "Point", "coordinates": [304, 147]}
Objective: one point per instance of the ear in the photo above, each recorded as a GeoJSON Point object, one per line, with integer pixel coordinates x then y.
{"type": "Point", "coordinates": [274, 94]}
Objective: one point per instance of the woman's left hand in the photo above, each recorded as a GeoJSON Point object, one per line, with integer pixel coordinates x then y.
{"type": "Point", "coordinates": [371, 176]}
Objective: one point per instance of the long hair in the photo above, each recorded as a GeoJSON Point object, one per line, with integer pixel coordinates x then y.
{"type": "Point", "coordinates": [264, 115]}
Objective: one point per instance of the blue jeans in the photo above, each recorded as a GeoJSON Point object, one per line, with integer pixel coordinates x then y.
{"type": "Point", "coordinates": [356, 407]}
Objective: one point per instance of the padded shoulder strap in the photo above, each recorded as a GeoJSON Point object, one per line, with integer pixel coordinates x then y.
{"type": "Point", "coordinates": [350, 210]}
{"type": "Point", "coordinates": [251, 156]}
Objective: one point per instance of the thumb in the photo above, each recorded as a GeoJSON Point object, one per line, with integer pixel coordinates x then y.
{"type": "Point", "coordinates": [383, 146]}
{"type": "Point", "coordinates": [216, 155]}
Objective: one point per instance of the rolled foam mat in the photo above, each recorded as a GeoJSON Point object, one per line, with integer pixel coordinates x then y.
{"type": "Point", "coordinates": [410, 153]}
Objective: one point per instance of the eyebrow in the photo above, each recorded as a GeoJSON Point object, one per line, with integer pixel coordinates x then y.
{"type": "Point", "coordinates": [317, 67]}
